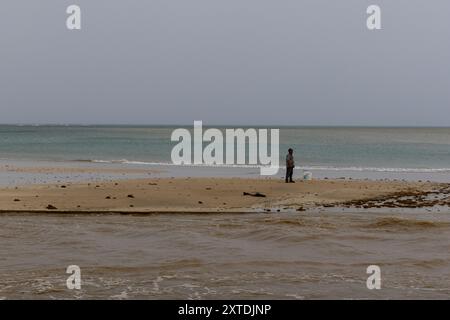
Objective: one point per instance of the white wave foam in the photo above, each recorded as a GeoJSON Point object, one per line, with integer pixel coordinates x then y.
{"type": "Point", "coordinates": [378, 169]}
{"type": "Point", "coordinates": [310, 168]}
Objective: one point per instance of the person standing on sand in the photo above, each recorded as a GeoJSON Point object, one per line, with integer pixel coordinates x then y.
{"type": "Point", "coordinates": [290, 164]}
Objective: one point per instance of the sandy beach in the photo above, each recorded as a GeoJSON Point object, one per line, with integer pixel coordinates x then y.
{"type": "Point", "coordinates": [214, 195]}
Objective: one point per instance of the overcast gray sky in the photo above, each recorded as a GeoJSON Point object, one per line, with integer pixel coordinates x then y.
{"type": "Point", "coordinates": [256, 62]}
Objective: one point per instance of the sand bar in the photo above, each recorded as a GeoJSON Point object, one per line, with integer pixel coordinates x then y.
{"type": "Point", "coordinates": [212, 195]}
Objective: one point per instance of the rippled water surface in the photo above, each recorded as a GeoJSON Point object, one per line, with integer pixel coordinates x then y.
{"type": "Point", "coordinates": [211, 256]}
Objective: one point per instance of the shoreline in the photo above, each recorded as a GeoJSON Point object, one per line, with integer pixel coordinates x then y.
{"type": "Point", "coordinates": [27, 172]}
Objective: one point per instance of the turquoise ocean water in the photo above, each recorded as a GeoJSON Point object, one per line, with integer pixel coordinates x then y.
{"type": "Point", "coordinates": [336, 150]}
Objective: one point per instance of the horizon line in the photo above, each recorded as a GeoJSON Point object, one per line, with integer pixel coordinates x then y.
{"type": "Point", "coordinates": [225, 125]}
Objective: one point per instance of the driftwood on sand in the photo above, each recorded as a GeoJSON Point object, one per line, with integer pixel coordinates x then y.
{"type": "Point", "coordinates": [255, 194]}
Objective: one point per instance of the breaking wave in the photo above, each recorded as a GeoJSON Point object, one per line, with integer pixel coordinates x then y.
{"type": "Point", "coordinates": [312, 168]}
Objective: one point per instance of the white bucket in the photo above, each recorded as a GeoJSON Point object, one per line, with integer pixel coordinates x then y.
{"type": "Point", "coordinates": [307, 176]}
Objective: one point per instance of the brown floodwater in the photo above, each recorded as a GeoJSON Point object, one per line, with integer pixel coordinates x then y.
{"type": "Point", "coordinates": [226, 256]}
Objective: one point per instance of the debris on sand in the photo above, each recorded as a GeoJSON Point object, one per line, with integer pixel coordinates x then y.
{"type": "Point", "coordinates": [255, 194]}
